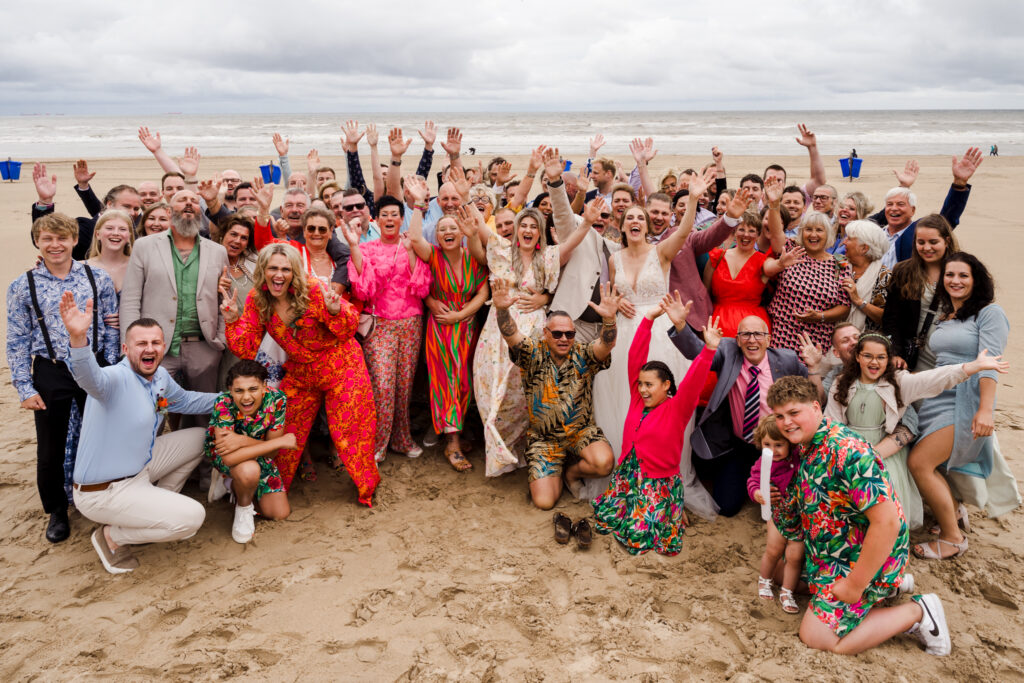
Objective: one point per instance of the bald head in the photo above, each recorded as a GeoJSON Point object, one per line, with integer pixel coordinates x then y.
{"type": "Point", "coordinates": [448, 198]}
{"type": "Point", "coordinates": [149, 192]}
{"type": "Point", "coordinates": [752, 337]}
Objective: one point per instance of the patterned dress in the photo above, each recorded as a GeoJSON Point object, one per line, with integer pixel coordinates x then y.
{"type": "Point", "coordinates": [807, 284]}
{"type": "Point", "coordinates": [840, 477]}
{"type": "Point", "coordinates": [643, 514]}
{"type": "Point", "coordinates": [449, 347]}
{"type": "Point", "coordinates": [325, 364]}
{"type": "Point", "coordinates": [268, 417]}
{"type": "Point", "coordinates": [496, 382]}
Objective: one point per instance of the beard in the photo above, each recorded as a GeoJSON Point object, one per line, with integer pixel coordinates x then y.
{"type": "Point", "coordinates": [186, 226]}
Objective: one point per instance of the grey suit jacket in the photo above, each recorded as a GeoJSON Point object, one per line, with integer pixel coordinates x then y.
{"type": "Point", "coordinates": [713, 433]}
{"type": "Point", "coordinates": [150, 291]}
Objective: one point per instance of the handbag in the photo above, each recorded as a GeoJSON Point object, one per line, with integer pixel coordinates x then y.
{"type": "Point", "coordinates": [367, 324]}
{"type": "Point", "coordinates": [917, 342]}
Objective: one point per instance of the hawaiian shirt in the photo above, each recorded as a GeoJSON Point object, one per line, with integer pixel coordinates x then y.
{"type": "Point", "coordinates": [268, 417]}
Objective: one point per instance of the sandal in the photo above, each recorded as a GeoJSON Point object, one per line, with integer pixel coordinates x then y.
{"type": "Point", "coordinates": [307, 472]}
{"type": "Point", "coordinates": [583, 533]}
{"type": "Point", "coordinates": [933, 551]}
{"type": "Point", "coordinates": [456, 458]}
{"type": "Point", "coordinates": [764, 588]}
{"type": "Point", "coordinates": [789, 605]}
{"type": "Point", "coordinates": [962, 520]}
{"type": "Point", "coordinates": [563, 528]}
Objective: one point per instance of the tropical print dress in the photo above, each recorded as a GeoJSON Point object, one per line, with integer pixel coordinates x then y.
{"type": "Point", "coordinates": [449, 348]}
{"type": "Point", "coordinates": [641, 513]}
{"type": "Point", "coordinates": [839, 479]}
{"type": "Point", "coordinates": [267, 418]}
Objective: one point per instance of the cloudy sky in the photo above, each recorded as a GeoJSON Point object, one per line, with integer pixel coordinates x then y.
{"type": "Point", "coordinates": [514, 55]}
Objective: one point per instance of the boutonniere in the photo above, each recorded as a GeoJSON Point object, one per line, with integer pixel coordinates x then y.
{"type": "Point", "coordinates": [161, 405]}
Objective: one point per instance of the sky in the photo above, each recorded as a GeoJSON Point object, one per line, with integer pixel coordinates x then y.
{"type": "Point", "coordinates": [92, 57]}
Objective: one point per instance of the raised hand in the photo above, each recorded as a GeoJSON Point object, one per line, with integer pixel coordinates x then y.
{"type": "Point", "coordinates": [76, 321]}
{"type": "Point", "coordinates": [700, 184]}
{"type": "Point", "coordinates": [466, 222]}
{"type": "Point", "coordinates": [987, 362]}
{"type": "Point", "coordinates": [712, 334]}
{"type": "Point", "coordinates": [150, 141]}
{"type": "Point", "coordinates": [504, 173]}
{"type": "Point", "coordinates": [609, 303]}
{"type": "Point", "coordinates": [229, 304]}
{"type": "Point", "coordinates": [907, 177]}
{"type": "Point", "coordinates": [806, 137]}
{"type": "Point", "coordinates": [501, 295]}
{"type": "Point", "coordinates": [552, 162]}
{"type": "Point", "coordinates": [398, 143]}
{"type": "Point", "coordinates": [536, 160]}
{"type": "Point", "coordinates": [313, 161]}
{"type": "Point", "coordinates": [653, 312]}
{"type": "Point", "coordinates": [332, 300]}
{"type": "Point", "coordinates": [792, 256]}
{"type": "Point", "coordinates": [417, 188]}
{"type": "Point", "coordinates": [773, 190]}
{"type": "Point", "coordinates": [457, 177]}
{"type": "Point", "coordinates": [596, 143]}
{"type": "Point", "coordinates": [965, 166]}
{"type": "Point", "coordinates": [353, 232]}
{"type": "Point", "coordinates": [46, 188]}
{"type": "Point", "coordinates": [189, 164]}
{"type": "Point", "coordinates": [675, 309]}
{"type": "Point", "coordinates": [810, 353]}
{"type": "Point", "coordinates": [352, 136]}
{"type": "Point", "coordinates": [264, 194]}
{"type": "Point", "coordinates": [583, 179]}
{"type": "Point", "coordinates": [739, 202]}
{"type": "Point", "coordinates": [453, 144]}
{"type": "Point", "coordinates": [636, 148]}
{"type": "Point", "coordinates": [82, 175]}
{"type": "Point", "coordinates": [210, 189]}
{"type": "Point", "coordinates": [281, 145]}
{"type": "Point", "coordinates": [371, 135]}
{"type": "Point", "coordinates": [593, 210]}
{"type": "Point", "coordinates": [429, 134]}
{"type": "Point", "coordinates": [716, 154]}
{"type": "Point", "coordinates": [649, 151]}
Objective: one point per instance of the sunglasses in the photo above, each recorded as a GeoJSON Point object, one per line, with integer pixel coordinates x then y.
{"type": "Point", "coordinates": [318, 229]}
{"type": "Point", "coordinates": [558, 334]}
{"type": "Point", "coordinates": [354, 207]}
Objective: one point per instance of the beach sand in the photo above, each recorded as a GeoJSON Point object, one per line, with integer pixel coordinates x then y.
{"type": "Point", "coordinates": [457, 577]}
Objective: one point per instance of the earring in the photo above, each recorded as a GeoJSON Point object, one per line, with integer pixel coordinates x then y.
{"type": "Point", "coordinates": [264, 287]}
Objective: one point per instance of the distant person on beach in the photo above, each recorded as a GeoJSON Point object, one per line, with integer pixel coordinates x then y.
{"type": "Point", "coordinates": [900, 204]}
{"type": "Point", "coordinates": [842, 505]}
{"type": "Point", "coordinates": [38, 352]}
{"type": "Point", "coordinates": [127, 477]}
{"type": "Point", "coordinates": [563, 443]}
{"type": "Point", "coordinates": [993, 151]}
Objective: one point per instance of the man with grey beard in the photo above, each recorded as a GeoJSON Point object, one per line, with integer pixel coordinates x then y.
{"type": "Point", "coordinates": [173, 277]}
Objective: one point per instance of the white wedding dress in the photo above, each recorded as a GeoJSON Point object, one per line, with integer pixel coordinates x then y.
{"type": "Point", "coordinates": [611, 386]}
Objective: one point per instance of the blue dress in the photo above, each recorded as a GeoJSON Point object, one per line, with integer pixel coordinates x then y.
{"type": "Point", "coordinates": [960, 341]}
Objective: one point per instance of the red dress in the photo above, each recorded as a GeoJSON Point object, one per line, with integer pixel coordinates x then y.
{"type": "Point", "coordinates": [737, 298]}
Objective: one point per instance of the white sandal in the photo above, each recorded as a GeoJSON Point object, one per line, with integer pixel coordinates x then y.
{"type": "Point", "coordinates": [789, 605]}
{"type": "Point", "coordinates": [764, 588]}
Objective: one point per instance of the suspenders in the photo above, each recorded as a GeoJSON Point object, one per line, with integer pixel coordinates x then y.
{"type": "Point", "coordinates": [42, 321]}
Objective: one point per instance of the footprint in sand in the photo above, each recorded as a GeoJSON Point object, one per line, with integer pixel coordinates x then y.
{"type": "Point", "coordinates": [368, 607]}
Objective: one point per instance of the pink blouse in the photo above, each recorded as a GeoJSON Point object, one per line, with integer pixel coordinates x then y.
{"type": "Point", "coordinates": [387, 285]}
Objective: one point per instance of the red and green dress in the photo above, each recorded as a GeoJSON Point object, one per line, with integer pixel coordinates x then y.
{"type": "Point", "coordinates": [449, 348]}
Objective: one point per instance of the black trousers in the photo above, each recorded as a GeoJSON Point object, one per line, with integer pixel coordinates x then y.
{"type": "Point", "coordinates": [58, 389]}
{"type": "Point", "coordinates": [729, 474]}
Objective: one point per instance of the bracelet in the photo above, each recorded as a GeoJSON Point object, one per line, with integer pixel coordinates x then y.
{"type": "Point", "coordinates": [396, 163]}
{"type": "Point", "coordinates": [605, 323]}
{"type": "Point", "coordinates": [531, 175]}
{"type": "Point", "coordinates": [424, 207]}
{"type": "Point", "coordinates": [823, 316]}
{"type": "Point", "coordinates": [555, 183]}
{"type": "Point", "coordinates": [861, 305]}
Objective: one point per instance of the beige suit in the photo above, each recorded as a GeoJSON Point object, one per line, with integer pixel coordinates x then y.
{"type": "Point", "coordinates": [150, 291]}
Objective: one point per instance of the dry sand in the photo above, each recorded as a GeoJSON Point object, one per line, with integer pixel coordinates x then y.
{"type": "Point", "coordinates": [456, 577]}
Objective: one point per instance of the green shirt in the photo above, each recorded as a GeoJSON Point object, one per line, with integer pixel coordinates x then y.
{"type": "Point", "coordinates": [186, 279]}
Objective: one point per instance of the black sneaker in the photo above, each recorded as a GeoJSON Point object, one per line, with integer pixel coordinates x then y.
{"type": "Point", "coordinates": [59, 527]}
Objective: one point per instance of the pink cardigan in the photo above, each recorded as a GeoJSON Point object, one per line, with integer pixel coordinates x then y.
{"type": "Point", "coordinates": [658, 439]}
{"type": "Point", "coordinates": [782, 473]}
{"type": "Point", "coordinates": [387, 285]}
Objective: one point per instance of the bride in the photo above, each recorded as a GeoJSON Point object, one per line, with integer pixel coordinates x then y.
{"type": "Point", "coordinates": [640, 271]}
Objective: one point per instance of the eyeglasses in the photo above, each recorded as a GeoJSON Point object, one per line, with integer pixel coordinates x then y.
{"type": "Point", "coordinates": [752, 335]}
{"type": "Point", "coordinates": [867, 357]}
{"type": "Point", "coordinates": [354, 207]}
{"type": "Point", "coordinates": [315, 229]}
{"type": "Point", "coordinates": [558, 334]}
{"type": "Point", "coordinates": [822, 196]}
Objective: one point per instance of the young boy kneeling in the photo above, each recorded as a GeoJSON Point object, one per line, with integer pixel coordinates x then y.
{"type": "Point", "coordinates": [855, 536]}
{"type": "Point", "coordinates": [246, 426]}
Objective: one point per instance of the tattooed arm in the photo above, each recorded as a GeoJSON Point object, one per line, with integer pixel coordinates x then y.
{"type": "Point", "coordinates": [503, 300]}
{"type": "Point", "coordinates": [607, 309]}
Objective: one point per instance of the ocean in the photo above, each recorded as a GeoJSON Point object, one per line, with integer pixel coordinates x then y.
{"type": "Point", "coordinates": [909, 133]}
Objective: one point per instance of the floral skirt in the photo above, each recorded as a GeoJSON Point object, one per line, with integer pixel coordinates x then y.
{"type": "Point", "coordinates": [643, 514]}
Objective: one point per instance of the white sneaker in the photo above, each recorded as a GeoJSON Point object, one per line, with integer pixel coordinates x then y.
{"type": "Point", "coordinates": [217, 488]}
{"type": "Point", "coordinates": [245, 523]}
{"type": "Point", "coordinates": [906, 586]}
{"type": "Point", "coordinates": [932, 630]}
{"type": "Point", "coordinates": [431, 438]}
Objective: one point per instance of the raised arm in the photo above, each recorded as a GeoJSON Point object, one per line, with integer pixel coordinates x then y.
{"type": "Point", "coordinates": [417, 189]}
{"type": "Point", "coordinates": [262, 234]}
{"type": "Point", "coordinates": [398, 145]}
{"type": "Point", "coordinates": [93, 206]}
{"type": "Point", "coordinates": [151, 141]}
{"type": "Point", "coordinates": [503, 300]}
{"type": "Point", "coordinates": [606, 308]}
{"type": "Point", "coordinates": [372, 138]}
{"type": "Point", "coordinates": [452, 145]}
{"type": "Point", "coordinates": [774, 266]}
{"type": "Point", "coordinates": [473, 228]}
{"type": "Point", "coordinates": [685, 339]}
{"type": "Point", "coordinates": [776, 237]}
{"type": "Point", "coordinates": [956, 199]}
{"type": "Point", "coordinates": [670, 246]}
{"type": "Point", "coordinates": [281, 146]}
{"type": "Point", "coordinates": [590, 215]}
{"type": "Point", "coordinates": [808, 140]}
{"type": "Point", "coordinates": [522, 191]}
{"type": "Point", "coordinates": [582, 187]}
{"type": "Point", "coordinates": [643, 151]}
